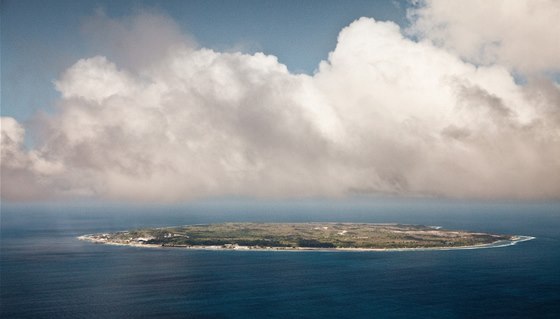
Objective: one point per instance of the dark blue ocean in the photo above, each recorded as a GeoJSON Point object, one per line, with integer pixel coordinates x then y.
{"type": "Point", "coordinates": [47, 273]}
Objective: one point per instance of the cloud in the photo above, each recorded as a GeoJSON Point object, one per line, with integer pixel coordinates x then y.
{"type": "Point", "coordinates": [137, 40]}
{"type": "Point", "coordinates": [23, 172]}
{"type": "Point", "coordinates": [383, 115]}
{"type": "Point", "coordinates": [522, 35]}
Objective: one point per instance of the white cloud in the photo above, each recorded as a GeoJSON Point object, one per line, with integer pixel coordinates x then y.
{"type": "Point", "coordinates": [521, 34]}
{"type": "Point", "coordinates": [23, 172]}
{"type": "Point", "coordinates": [94, 79]}
{"type": "Point", "coordinates": [135, 41]}
{"type": "Point", "coordinates": [384, 114]}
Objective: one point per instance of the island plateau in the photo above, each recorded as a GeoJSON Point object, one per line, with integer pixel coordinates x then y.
{"type": "Point", "coordinates": [305, 236]}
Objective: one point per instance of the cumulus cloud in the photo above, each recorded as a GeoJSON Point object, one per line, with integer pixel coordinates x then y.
{"type": "Point", "coordinates": [137, 40]}
{"type": "Point", "coordinates": [383, 115]}
{"type": "Point", "coordinates": [24, 173]}
{"type": "Point", "coordinates": [522, 34]}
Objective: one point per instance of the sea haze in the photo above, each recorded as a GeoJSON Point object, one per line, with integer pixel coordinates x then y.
{"type": "Point", "coordinates": [46, 272]}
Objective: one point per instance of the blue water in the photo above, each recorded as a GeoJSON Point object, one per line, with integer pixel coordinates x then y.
{"type": "Point", "coordinates": [47, 273]}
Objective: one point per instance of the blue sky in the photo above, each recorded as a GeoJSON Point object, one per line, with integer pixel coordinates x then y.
{"type": "Point", "coordinates": [40, 39]}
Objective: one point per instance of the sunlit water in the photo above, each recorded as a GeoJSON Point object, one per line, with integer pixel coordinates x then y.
{"type": "Point", "coordinates": [46, 272]}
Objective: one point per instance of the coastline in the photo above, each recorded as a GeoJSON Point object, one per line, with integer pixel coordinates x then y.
{"type": "Point", "coordinates": [497, 244]}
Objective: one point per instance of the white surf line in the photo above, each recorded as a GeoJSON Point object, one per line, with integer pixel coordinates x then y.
{"type": "Point", "coordinates": [519, 238]}
{"type": "Point", "coordinates": [496, 244]}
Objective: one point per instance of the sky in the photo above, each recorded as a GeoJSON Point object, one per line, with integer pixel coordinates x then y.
{"type": "Point", "coordinates": [40, 39]}
{"type": "Point", "coordinates": [172, 101]}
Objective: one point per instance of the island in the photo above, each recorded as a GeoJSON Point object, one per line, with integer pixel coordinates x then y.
{"type": "Point", "coordinates": [306, 236]}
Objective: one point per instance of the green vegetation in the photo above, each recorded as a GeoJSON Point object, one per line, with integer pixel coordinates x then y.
{"type": "Point", "coordinates": [301, 235]}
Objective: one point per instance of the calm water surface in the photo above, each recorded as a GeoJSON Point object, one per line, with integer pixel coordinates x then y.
{"type": "Point", "coordinates": [47, 273]}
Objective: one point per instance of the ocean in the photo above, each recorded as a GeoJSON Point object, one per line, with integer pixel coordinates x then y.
{"type": "Point", "coordinates": [46, 272]}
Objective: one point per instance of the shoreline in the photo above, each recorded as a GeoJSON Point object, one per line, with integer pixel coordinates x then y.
{"type": "Point", "coordinates": [497, 244]}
